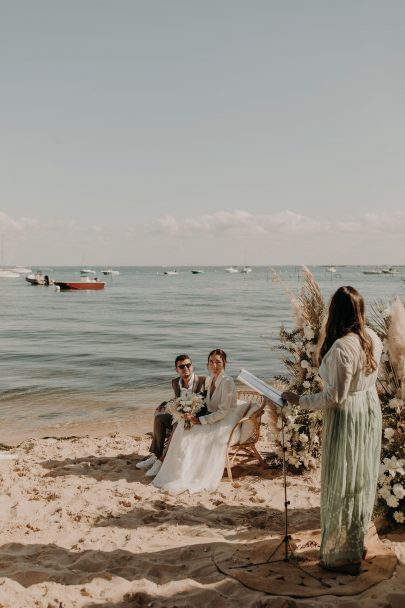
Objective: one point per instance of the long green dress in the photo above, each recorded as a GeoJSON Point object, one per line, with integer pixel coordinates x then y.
{"type": "Point", "coordinates": [351, 447]}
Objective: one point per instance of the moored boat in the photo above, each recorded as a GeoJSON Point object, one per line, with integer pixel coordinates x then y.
{"type": "Point", "coordinates": [85, 272]}
{"type": "Point", "coordinates": [171, 272]}
{"type": "Point", "coordinates": [38, 278]}
{"type": "Point", "coordinates": [197, 271]}
{"type": "Point", "coordinates": [231, 269]}
{"type": "Point", "coordinates": [246, 269]}
{"type": "Point", "coordinates": [5, 273]}
{"type": "Point", "coordinates": [85, 283]}
{"type": "Point", "coordinates": [372, 271]}
{"type": "Point", "coordinates": [111, 272]}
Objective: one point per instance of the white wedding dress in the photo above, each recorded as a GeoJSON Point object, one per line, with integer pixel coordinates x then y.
{"type": "Point", "coordinates": [195, 459]}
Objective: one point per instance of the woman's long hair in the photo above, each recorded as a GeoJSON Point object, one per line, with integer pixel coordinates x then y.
{"type": "Point", "coordinates": [346, 315]}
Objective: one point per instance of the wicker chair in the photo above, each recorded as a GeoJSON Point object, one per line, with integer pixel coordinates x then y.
{"type": "Point", "coordinates": [246, 452]}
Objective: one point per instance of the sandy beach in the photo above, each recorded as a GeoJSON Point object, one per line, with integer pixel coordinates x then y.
{"type": "Point", "coordinates": [82, 527]}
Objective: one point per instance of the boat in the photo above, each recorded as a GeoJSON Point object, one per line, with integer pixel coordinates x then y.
{"type": "Point", "coordinates": [198, 271]}
{"type": "Point", "coordinates": [231, 269]}
{"type": "Point", "coordinates": [84, 283]}
{"type": "Point", "coordinates": [110, 272]}
{"type": "Point", "coordinates": [38, 278]}
{"type": "Point", "coordinates": [21, 269]}
{"type": "Point", "coordinates": [330, 269]}
{"type": "Point", "coordinates": [246, 269]}
{"type": "Point", "coordinates": [85, 272]}
{"type": "Point", "coordinates": [171, 272]}
{"type": "Point", "coordinates": [5, 273]}
{"type": "Point", "coordinates": [372, 271]}
{"type": "Point", "coordinates": [390, 270]}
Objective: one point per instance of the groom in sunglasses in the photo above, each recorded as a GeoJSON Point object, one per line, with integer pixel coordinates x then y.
{"type": "Point", "coordinates": [187, 380]}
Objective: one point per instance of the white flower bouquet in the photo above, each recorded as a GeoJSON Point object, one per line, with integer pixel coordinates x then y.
{"type": "Point", "coordinates": [188, 403]}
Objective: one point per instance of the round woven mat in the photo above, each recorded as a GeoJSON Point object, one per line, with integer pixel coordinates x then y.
{"type": "Point", "coordinates": [301, 576]}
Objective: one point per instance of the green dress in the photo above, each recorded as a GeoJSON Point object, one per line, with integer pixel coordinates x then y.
{"type": "Point", "coordinates": [351, 446]}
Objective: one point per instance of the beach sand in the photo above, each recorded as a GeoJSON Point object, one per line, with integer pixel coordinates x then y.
{"type": "Point", "coordinates": [82, 527]}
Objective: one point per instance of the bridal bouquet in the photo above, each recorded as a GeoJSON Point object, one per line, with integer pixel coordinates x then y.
{"type": "Point", "coordinates": [188, 403]}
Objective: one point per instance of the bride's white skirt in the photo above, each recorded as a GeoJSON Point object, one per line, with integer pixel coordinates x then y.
{"type": "Point", "coordinates": [195, 459]}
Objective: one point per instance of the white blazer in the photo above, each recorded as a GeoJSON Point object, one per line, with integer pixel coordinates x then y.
{"type": "Point", "coordinates": [222, 401]}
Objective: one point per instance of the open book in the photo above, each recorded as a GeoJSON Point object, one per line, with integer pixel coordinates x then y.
{"type": "Point", "coordinates": [261, 387]}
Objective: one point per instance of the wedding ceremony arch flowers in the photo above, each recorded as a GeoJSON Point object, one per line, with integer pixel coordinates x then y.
{"type": "Point", "coordinates": [389, 323]}
{"type": "Point", "coordinates": [189, 403]}
{"type": "Point", "coordinates": [299, 355]}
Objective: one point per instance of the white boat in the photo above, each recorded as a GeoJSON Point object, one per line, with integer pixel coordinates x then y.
{"type": "Point", "coordinates": [6, 273]}
{"type": "Point", "coordinates": [198, 271]}
{"type": "Point", "coordinates": [38, 278]}
{"type": "Point", "coordinates": [8, 456]}
{"type": "Point", "coordinates": [330, 269]}
{"type": "Point", "coordinates": [84, 272]}
{"type": "Point", "coordinates": [110, 272]}
{"type": "Point", "coordinates": [372, 271]}
{"type": "Point", "coordinates": [390, 270]}
{"type": "Point", "coordinates": [231, 269]}
{"type": "Point", "coordinates": [171, 272]}
{"type": "Point", "coordinates": [246, 269]}
{"type": "Point", "coordinates": [21, 269]}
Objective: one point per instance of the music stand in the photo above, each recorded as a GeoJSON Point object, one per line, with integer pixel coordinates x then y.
{"type": "Point", "coordinates": [287, 536]}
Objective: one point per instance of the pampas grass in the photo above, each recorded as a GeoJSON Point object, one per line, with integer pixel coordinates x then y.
{"type": "Point", "coordinates": [299, 354]}
{"type": "Point", "coordinates": [389, 323]}
{"type": "Point", "coordinates": [396, 343]}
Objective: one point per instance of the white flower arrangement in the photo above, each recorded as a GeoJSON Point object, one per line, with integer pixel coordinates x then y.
{"type": "Point", "coordinates": [389, 323]}
{"type": "Point", "coordinates": [299, 349]}
{"type": "Point", "coordinates": [189, 403]}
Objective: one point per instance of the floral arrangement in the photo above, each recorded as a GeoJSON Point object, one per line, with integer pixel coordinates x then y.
{"type": "Point", "coordinates": [389, 324]}
{"type": "Point", "coordinates": [188, 403]}
{"type": "Point", "coordinates": [299, 354]}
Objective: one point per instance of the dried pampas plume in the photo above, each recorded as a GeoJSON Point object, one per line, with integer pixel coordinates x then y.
{"type": "Point", "coordinates": [396, 340]}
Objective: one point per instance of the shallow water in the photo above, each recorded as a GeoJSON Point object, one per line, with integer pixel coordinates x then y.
{"type": "Point", "coordinates": [95, 356]}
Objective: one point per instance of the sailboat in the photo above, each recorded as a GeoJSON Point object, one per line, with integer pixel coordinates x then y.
{"type": "Point", "coordinates": [6, 273]}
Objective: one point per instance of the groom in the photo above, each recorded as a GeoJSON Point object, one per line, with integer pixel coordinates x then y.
{"type": "Point", "coordinates": [187, 380]}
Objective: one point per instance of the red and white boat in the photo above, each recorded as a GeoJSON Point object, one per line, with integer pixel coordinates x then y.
{"type": "Point", "coordinates": [84, 283]}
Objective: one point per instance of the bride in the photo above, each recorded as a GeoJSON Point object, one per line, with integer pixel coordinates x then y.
{"type": "Point", "coordinates": [195, 459]}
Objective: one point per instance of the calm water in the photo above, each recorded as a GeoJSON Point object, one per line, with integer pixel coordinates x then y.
{"type": "Point", "coordinates": [95, 355]}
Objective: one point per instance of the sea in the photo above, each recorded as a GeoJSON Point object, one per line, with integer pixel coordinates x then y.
{"type": "Point", "coordinates": [101, 357]}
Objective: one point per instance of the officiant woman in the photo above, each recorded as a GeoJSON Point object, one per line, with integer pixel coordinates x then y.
{"type": "Point", "coordinates": [351, 444]}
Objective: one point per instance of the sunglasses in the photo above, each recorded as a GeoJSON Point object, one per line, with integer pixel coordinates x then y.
{"type": "Point", "coordinates": [183, 365]}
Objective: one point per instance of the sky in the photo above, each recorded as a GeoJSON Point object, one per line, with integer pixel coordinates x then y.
{"type": "Point", "coordinates": [199, 132]}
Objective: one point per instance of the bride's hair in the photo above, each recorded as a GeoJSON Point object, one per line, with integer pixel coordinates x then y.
{"type": "Point", "coordinates": [220, 352]}
{"type": "Point", "coordinates": [346, 315]}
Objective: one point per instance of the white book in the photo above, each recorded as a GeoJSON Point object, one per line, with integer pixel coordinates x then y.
{"type": "Point", "coordinates": [261, 387]}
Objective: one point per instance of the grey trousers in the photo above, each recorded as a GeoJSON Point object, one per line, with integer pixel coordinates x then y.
{"type": "Point", "coordinates": [162, 426]}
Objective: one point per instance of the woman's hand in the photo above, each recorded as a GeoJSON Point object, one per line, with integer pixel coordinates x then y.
{"type": "Point", "coordinates": [291, 397]}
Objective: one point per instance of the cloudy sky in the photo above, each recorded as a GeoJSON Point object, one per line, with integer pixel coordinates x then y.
{"type": "Point", "coordinates": [176, 132]}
